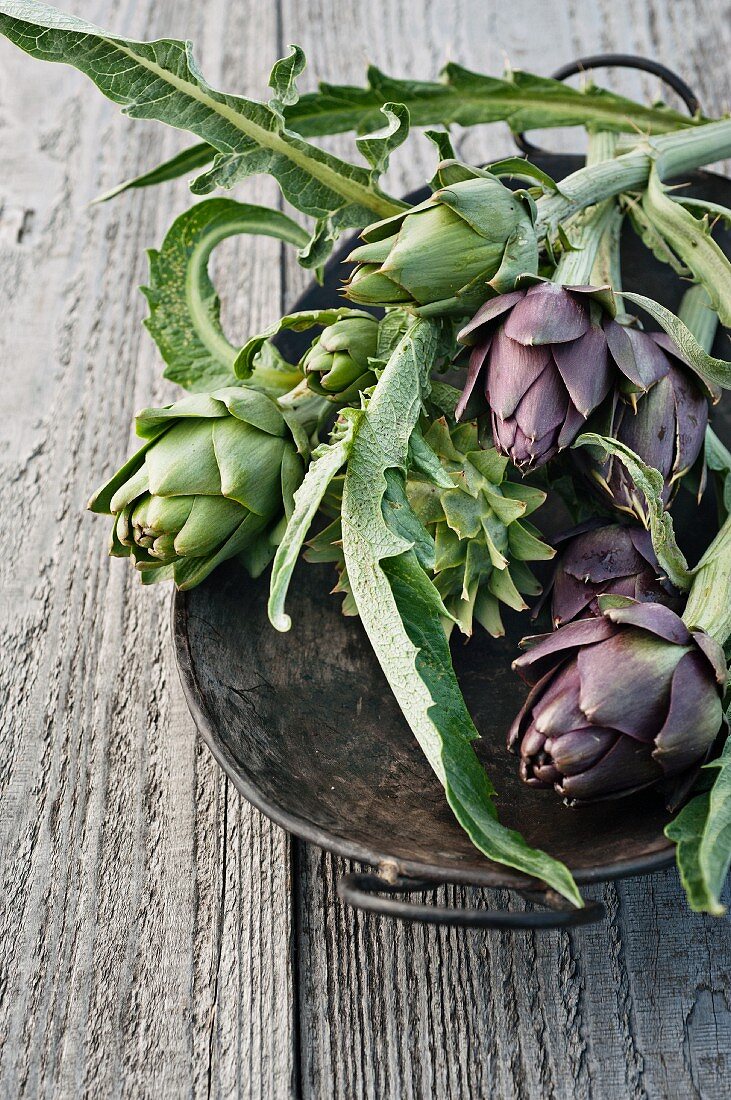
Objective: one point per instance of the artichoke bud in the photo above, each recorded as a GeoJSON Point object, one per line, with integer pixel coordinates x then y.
{"type": "Point", "coordinates": [618, 703]}
{"type": "Point", "coordinates": [611, 560]}
{"type": "Point", "coordinates": [337, 365]}
{"type": "Point", "coordinates": [478, 522]}
{"type": "Point", "coordinates": [447, 254]}
{"type": "Point", "coordinates": [665, 427]}
{"type": "Point", "coordinates": [546, 358]}
{"type": "Point", "coordinates": [215, 475]}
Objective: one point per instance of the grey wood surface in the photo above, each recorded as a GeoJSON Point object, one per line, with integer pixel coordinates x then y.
{"type": "Point", "coordinates": [158, 937]}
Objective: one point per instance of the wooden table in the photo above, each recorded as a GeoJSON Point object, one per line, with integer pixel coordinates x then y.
{"type": "Point", "coordinates": [158, 937]}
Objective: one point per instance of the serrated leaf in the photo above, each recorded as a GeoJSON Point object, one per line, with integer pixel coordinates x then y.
{"type": "Point", "coordinates": [650, 483]}
{"type": "Point", "coordinates": [519, 168]}
{"type": "Point", "coordinates": [702, 833]}
{"type": "Point", "coordinates": [715, 371]}
{"type": "Point", "coordinates": [524, 101]}
{"type": "Point", "coordinates": [377, 150]}
{"type": "Point", "coordinates": [184, 319]}
{"type": "Point", "coordinates": [691, 240]}
{"type": "Point", "coordinates": [326, 461]}
{"type": "Point", "coordinates": [182, 164]}
{"type": "Point", "coordinates": [402, 612]}
{"type": "Point", "coordinates": [283, 79]}
{"type": "Point", "coordinates": [161, 80]}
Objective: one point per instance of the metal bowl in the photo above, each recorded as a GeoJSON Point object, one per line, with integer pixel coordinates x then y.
{"type": "Point", "coordinates": [306, 726]}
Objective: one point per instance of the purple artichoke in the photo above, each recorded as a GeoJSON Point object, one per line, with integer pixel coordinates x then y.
{"type": "Point", "coordinates": [665, 428]}
{"type": "Point", "coordinates": [611, 560]}
{"type": "Point", "coordinates": [619, 702]}
{"type": "Point", "coordinates": [549, 363]}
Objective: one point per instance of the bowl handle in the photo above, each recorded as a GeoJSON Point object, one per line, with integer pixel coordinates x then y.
{"type": "Point", "coordinates": [363, 890]}
{"type": "Point", "coordinates": [616, 61]}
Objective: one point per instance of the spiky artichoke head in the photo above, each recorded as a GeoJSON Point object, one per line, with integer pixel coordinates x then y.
{"type": "Point", "coordinates": [337, 365]}
{"type": "Point", "coordinates": [448, 254]}
{"type": "Point", "coordinates": [214, 478]}
{"type": "Point", "coordinates": [481, 537]}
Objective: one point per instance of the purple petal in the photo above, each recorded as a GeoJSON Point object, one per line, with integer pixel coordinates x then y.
{"type": "Point", "coordinates": [691, 410]}
{"type": "Point", "coordinates": [627, 767]}
{"type": "Point", "coordinates": [653, 617]}
{"type": "Point", "coordinates": [547, 315]}
{"type": "Point", "coordinates": [602, 555]}
{"type": "Point", "coordinates": [642, 543]}
{"type": "Point", "coordinates": [650, 432]}
{"type": "Point", "coordinates": [625, 682]}
{"type": "Point", "coordinates": [693, 719]}
{"type": "Point", "coordinates": [570, 597]}
{"type": "Point", "coordinates": [492, 309]}
{"type": "Point", "coordinates": [522, 722]}
{"type": "Point", "coordinates": [477, 358]}
{"type": "Point", "coordinates": [555, 647]}
{"type": "Point", "coordinates": [584, 365]}
{"type": "Point", "coordinates": [571, 427]}
{"type": "Point", "coordinates": [713, 653]}
{"type": "Point", "coordinates": [512, 369]}
{"type": "Point", "coordinates": [636, 354]}
{"type": "Point", "coordinates": [557, 710]}
{"type": "Point", "coordinates": [580, 749]}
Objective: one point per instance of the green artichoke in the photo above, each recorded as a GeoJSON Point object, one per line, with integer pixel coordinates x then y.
{"type": "Point", "coordinates": [448, 254]}
{"type": "Point", "coordinates": [482, 541]}
{"type": "Point", "coordinates": [337, 365]}
{"type": "Point", "coordinates": [213, 480]}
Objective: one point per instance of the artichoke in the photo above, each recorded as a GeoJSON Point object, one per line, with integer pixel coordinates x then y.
{"type": "Point", "coordinates": [447, 254]}
{"type": "Point", "coordinates": [546, 358]}
{"type": "Point", "coordinates": [481, 537]}
{"type": "Point", "coordinates": [337, 364]}
{"type": "Point", "coordinates": [215, 476]}
{"type": "Point", "coordinates": [611, 560]}
{"type": "Point", "coordinates": [618, 703]}
{"type": "Point", "coordinates": [666, 428]}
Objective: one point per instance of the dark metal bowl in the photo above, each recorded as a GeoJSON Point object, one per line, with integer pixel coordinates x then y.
{"type": "Point", "coordinates": [306, 726]}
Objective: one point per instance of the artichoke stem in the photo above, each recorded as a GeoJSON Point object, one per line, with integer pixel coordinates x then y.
{"type": "Point", "coordinates": [594, 232]}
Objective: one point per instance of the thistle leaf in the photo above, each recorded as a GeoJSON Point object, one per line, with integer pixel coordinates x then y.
{"type": "Point", "coordinates": [715, 371]}
{"type": "Point", "coordinates": [182, 164]}
{"type": "Point", "coordinates": [690, 239]}
{"type": "Point", "coordinates": [522, 100]}
{"type": "Point", "coordinates": [184, 316]}
{"type": "Point", "coordinates": [161, 80]}
{"type": "Point", "coordinates": [326, 461]}
{"type": "Point", "coordinates": [402, 611]}
{"type": "Point", "coordinates": [702, 833]}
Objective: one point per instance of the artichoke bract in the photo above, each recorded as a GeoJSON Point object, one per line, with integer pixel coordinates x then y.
{"type": "Point", "coordinates": [337, 365]}
{"type": "Point", "coordinates": [612, 560]}
{"type": "Point", "coordinates": [481, 537]}
{"type": "Point", "coordinates": [618, 703]}
{"type": "Point", "coordinates": [447, 254]}
{"type": "Point", "coordinates": [546, 358]}
{"type": "Point", "coordinates": [666, 428]}
{"type": "Point", "coordinates": [216, 472]}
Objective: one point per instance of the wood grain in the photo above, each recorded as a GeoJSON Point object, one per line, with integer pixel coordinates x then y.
{"type": "Point", "coordinates": [158, 937]}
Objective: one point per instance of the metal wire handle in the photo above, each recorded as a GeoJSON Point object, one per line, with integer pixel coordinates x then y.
{"type": "Point", "coordinates": [616, 61]}
{"type": "Point", "coordinates": [364, 890]}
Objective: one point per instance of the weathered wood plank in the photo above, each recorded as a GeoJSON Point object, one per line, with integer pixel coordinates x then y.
{"type": "Point", "coordinates": [144, 908]}
{"type": "Point", "coordinates": [639, 1006]}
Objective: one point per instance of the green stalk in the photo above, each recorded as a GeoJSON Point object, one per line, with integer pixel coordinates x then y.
{"type": "Point", "coordinates": [709, 600]}
{"type": "Point", "coordinates": [674, 154]}
{"type": "Point", "coordinates": [594, 232]}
